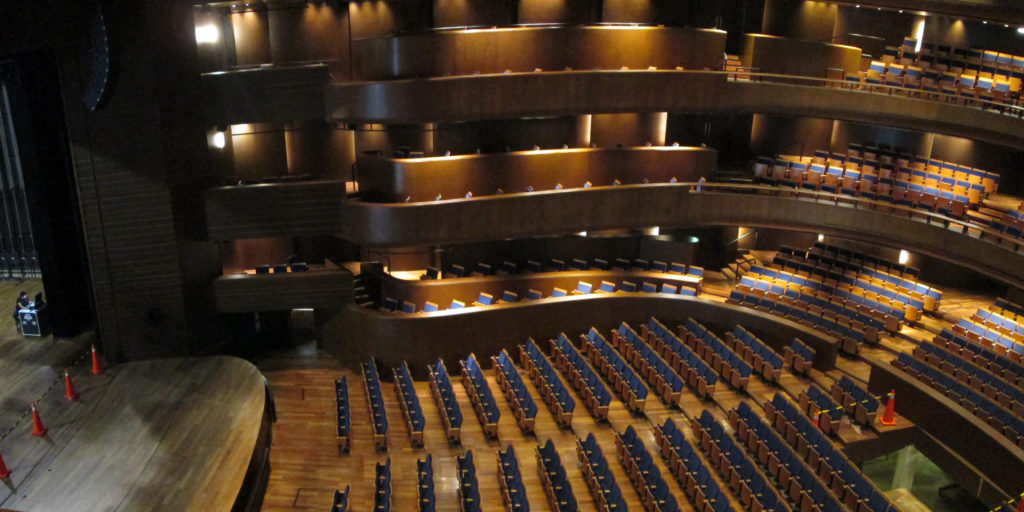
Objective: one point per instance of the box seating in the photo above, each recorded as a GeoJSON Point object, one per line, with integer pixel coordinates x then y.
{"type": "Point", "coordinates": [658, 373]}
{"type": "Point", "coordinates": [469, 489]}
{"type": "Point", "coordinates": [799, 356]}
{"type": "Point", "coordinates": [582, 376]}
{"type": "Point", "coordinates": [411, 408]}
{"type": "Point", "coordinates": [695, 479]}
{"type": "Point", "coordinates": [845, 480]}
{"type": "Point", "coordinates": [1006, 323]}
{"type": "Point", "coordinates": [799, 480]}
{"type": "Point", "coordinates": [737, 466]}
{"type": "Point", "coordinates": [344, 418]}
{"type": "Point", "coordinates": [855, 400]}
{"type": "Point", "coordinates": [382, 487]}
{"type": "Point", "coordinates": [819, 405]}
{"type": "Point", "coordinates": [511, 383]}
{"type": "Point", "coordinates": [552, 390]}
{"type": "Point", "coordinates": [616, 371]}
{"type": "Point", "coordinates": [724, 360]}
{"type": "Point", "coordinates": [513, 492]}
{"type": "Point", "coordinates": [1002, 364]}
{"type": "Point", "coordinates": [988, 335]}
{"type": "Point", "coordinates": [687, 363]}
{"type": "Point", "coordinates": [340, 503]}
{"type": "Point", "coordinates": [755, 352]}
{"type": "Point", "coordinates": [444, 395]}
{"type": "Point", "coordinates": [644, 474]}
{"type": "Point", "coordinates": [375, 398]}
{"type": "Point", "coordinates": [553, 479]}
{"type": "Point", "coordinates": [487, 411]}
{"type": "Point", "coordinates": [599, 478]}
{"type": "Point", "coordinates": [425, 484]}
{"type": "Point", "coordinates": [997, 417]}
{"type": "Point", "coordinates": [980, 379]}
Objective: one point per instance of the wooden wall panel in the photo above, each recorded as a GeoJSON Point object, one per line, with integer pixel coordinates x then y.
{"type": "Point", "coordinates": [272, 94]}
{"type": "Point", "coordinates": [241, 293]}
{"type": "Point", "coordinates": [784, 56]}
{"type": "Point", "coordinates": [284, 209]}
{"type": "Point", "coordinates": [467, 52]}
{"type": "Point", "coordinates": [357, 333]}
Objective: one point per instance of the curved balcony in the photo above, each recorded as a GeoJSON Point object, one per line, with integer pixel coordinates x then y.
{"type": "Point", "coordinates": [423, 337]}
{"type": "Point", "coordinates": [629, 206]}
{"type": "Point", "coordinates": [566, 93]}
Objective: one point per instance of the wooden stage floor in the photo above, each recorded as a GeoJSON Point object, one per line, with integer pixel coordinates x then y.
{"type": "Point", "coordinates": [174, 434]}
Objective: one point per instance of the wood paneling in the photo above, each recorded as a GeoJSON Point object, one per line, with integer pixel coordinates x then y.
{"type": "Point", "coordinates": [266, 94]}
{"type": "Point", "coordinates": [283, 209]}
{"type": "Point", "coordinates": [770, 54]}
{"type": "Point", "coordinates": [596, 92]}
{"type": "Point", "coordinates": [422, 179]}
{"type": "Point", "coordinates": [467, 52]}
{"type": "Point", "coordinates": [237, 293]}
{"type": "Point", "coordinates": [173, 434]}
{"type": "Point", "coordinates": [422, 338]}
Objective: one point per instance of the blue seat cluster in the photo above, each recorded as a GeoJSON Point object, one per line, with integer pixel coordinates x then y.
{"type": "Point", "coordinates": [1003, 392]}
{"type": "Point", "coordinates": [582, 376]}
{"type": "Point", "coordinates": [444, 395]}
{"type": "Point", "coordinates": [794, 475]}
{"type": "Point", "coordinates": [687, 363]}
{"type": "Point", "coordinates": [626, 383]}
{"type": "Point", "coordinates": [1008, 322]}
{"type": "Point", "coordinates": [730, 366]}
{"type": "Point", "coordinates": [996, 363]}
{"type": "Point", "coordinates": [819, 405]}
{"type": "Point", "coordinates": [989, 336]}
{"type": "Point", "coordinates": [410, 403]}
{"type": "Point", "coordinates": [1009, 306]}
{"type": "Point", "coordinates": [847, 482]}
{"type": "Point", "coordinates": [799, 356]}
{"type": "Point", "coordinates": [733, 464]}
{"type": "Point", "coordinates": [344, 418]}
{"type": "Point", "coordinates": [375, 397]}
{"type": "Point", "coordinates": [799, 312]}
{"type": "Point", "coordinates": [469, 488]}
{"type": "Point", "coordinates": [645, 475]}
{"type": "Point", "coordinates": [382, 487]}
{"type": "Point", "coordinates": [511, 383]}
{"type": "Point", "coordinates": [513, 492]}
{"type": "Point", "coordinates": [599, 477]}
{"type": "Point", "coordinates": [992, 412]}
{"type": "Point", "coordinates": [554, 480]}
{"type": "Point", "coordinates": [855, 400]}
{"type": "Point", "coordinates": [340, 503]}
{"type": "Point", "coordinates": [755, 352]}
{"type": "Point", "coordinates": [552, 389]}
{"type": "Point", "coordinates": [480, 395]}
{"type": "Point", "coordinates": [425, 484]}
{"type": "Point", "coordinates": [660, 375]}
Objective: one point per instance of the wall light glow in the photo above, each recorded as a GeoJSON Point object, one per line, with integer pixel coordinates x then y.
{"type": "Point", "coordinates": [217, 140]}
{"type": "Point", "coordinates": [821, 237]}
{"type": "Point", "coordinates": [207, 34]}
{"type": "Point", "coordinates": [904, 257]}
{"type": "Point", "coordinates": [1020, 30]}
{"type": "Point", "coordinates": [919, 35]}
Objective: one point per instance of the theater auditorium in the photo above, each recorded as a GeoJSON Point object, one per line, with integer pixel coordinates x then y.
{"type": "Point", "coordinates": [512, 255]}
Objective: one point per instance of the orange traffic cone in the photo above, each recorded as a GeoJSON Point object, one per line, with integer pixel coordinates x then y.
{"type": "Point", "coordinates": [96, 367]}
{"type": "Point", "coordinates": [38, 429]}
{"type": "Point", "coordinates": [1020, 502]}
{"type": "Point", "coordinates": [4, 472]}
{"type": "Point", "coordinates": [69, 388]}
{"type": "Point", "coordinates": [890, 409]}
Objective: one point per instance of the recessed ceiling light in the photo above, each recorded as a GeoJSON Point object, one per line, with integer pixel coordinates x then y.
{"type": "Point", "coordinates": [901, 11]}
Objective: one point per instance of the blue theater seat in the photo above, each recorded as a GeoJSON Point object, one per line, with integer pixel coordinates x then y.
{"type": "Point", "coordinates": [410, 404]}
{"type": "Point", "coordinates": [554, 480]}
{"type": "Point", "coordinates": [375, 398]}
{"type": "Point", "coordinates": [605, 358]}
{"type": "Point", "coordinates": [480, 395]}
{"type": "Point", "coordinates": [469, 489]}
{"type": "Point", "coordinates": [552, 389]}
{"type": "Point", "coordinates": [344, 416]}
{"type": "Point", "coordinates": [425, 484]}
{"type": "Point", "coordinates": [447, 404]}
{"type": "Point", "coordinates": [507, 375]}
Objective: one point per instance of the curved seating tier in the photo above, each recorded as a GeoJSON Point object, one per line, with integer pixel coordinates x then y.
{"type": "Point", "coordinates": [1006, 394]}
{"type": "Point", "coordinates": [1004, 363]}
{"type": "Point", "coordinates": [799, 356]}
{"type": "Point", "coordinates": [755, 352]}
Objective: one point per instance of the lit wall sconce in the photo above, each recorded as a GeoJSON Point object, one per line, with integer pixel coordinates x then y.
{"type": "Point", "coordinates": [904, 257]}
{"type": "Point", "coordinates": [821, 237]}
{"type": "Point", "coordinates": [207, 34]}
{"type": "Point", "coordinates": [217, 140]}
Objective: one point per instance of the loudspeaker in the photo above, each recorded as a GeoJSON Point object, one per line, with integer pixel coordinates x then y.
{"type": "Point", "coordinates": [102, 60]}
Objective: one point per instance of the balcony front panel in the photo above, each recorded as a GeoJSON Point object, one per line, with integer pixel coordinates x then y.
{"type": "Point", "coordinates": [239, 293]}
{"type": "Point", "coordinates": [265, 94]}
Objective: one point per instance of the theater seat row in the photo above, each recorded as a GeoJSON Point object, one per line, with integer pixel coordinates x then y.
{"type": "Point", "coordinates": [799, 356]}
{"type": "Point", "coordinates": [700, 376]}
{"type": "Point", "coordinates": [344, 417]}
{"type": "Point", "coordinates": [662, 378]}
{"type": "Point", "coordinates": [410, 403]}
{"type": "Point", "coordinates": [819, 405]}
{"type": "Point", "coordinates": [755, 352]}
{"type": "Point", "coordinates": [643, 473]}
{"type": "Point", "coordinates": [444, 395]}
{"type": "Point", "coordinates": [469, 488]}
{"type": "Point", "coordinates": [511, 383]}
{"type": "Point", "coordinates": [693, 475]}
{"type": "Point", "coordinates": [1007, 395]}
{"type": "Point", "coordinates": [534, 266]}
{"type": "Point", "coordinates": [856, 400]}
{"type": "Point", "coordinates": [513, 492]}
{"type": "Point", "coordinates": [552, 390]}
{"type": "Point", "coordinates": [712, 349]}
{"type": "Point", "coordinates": [582, 376]}
{"type": "Point", "coordinates": [375, 397]}
{"type": "Point", "coordinates": [626, 383]}
{"type": "Point", "coordinates": [487, 411]}
{"type": "Point", "coordinates": [598, 476]}
{"type": "Point", "coordinates": [1002, 363]}
{"type": "Point", "coordinates": [425, 484]}
{"type": "Point", "coordinates": [554, 480]}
